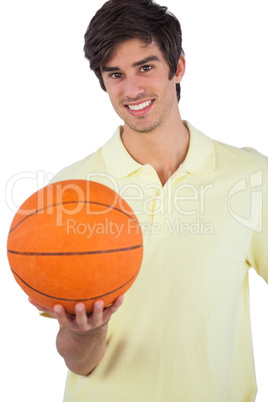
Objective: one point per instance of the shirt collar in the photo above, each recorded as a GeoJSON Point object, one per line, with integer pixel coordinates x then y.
{"type": "Point", "coordinates": [200, 157]}
{"type": "Point", "coordinates": [118, 161]}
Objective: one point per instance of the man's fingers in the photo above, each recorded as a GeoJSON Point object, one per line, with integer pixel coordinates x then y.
{"type": "Point", "coordinates": [81, 321]}
{"type": "Point", "coordinates": [38, 306]}
{"type": "Point", "coordinates": [96, 317]}
{"type": "Point", "coordinates": [41, 308]}
{"type": "Point", "coordinates": [113, 308]}
{"type": "Point", "coordinates": [81, 316]}
{"type": "Point", "coordinates": [61, 315]}
{"type": "Point", "coordinates": [118, 302]}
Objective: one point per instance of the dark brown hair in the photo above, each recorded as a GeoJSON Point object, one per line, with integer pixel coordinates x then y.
{"type": "Point", "coordinates": [120, 20]}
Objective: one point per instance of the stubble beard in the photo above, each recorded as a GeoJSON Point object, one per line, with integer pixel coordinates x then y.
{"type": "Point", "coordinates": [163, 106]}
{"type": "Point", "coordinates": [139, 124]}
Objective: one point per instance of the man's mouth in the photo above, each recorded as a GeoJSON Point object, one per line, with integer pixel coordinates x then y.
{"type": "Point", "coordinates": [140, 109]}
{"type": "Point", "coordinates": [140, 106]}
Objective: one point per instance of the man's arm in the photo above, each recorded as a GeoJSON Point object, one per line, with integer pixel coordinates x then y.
{"type": "Point", "coordinates": [81, 340]}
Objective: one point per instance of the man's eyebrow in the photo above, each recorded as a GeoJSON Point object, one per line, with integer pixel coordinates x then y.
{"type": "Point", "coordinates": [105, 69]}
{"type": "Point", "coordinates": [148, 59]}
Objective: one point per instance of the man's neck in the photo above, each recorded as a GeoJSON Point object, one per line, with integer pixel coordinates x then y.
{"type": "Point", "coordinates": [164, 148]}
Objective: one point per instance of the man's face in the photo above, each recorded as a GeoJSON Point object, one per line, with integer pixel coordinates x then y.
{"type": "Point", "coordinates": [136, 77]}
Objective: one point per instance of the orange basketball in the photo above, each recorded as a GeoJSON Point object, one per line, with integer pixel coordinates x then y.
{"type": "Point", "coordinates": [75, 241]}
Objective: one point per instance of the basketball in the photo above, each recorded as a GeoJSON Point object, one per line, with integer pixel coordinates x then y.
{"type": "Point", "coordinates": [75, 241]}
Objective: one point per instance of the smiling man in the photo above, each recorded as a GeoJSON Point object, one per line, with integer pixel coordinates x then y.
{"type": "Point", "coordinates": [136, 77]}
{"type": "Point", "coordinates": [183, 331]}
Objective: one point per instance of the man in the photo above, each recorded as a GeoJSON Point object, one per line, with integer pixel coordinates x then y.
{"type": "Point", "coordinates": [183, 331]}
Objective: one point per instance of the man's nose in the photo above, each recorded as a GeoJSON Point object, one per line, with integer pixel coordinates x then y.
{"type": "Point", "coordinates": [133, 88]}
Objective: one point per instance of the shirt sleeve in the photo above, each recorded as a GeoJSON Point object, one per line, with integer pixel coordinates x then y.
{"type": "Point", "coordinates": [258, 247]}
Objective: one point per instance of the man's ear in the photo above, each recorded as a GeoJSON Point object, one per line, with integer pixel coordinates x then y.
{"type": "Point", "coordinates": [180, 69]}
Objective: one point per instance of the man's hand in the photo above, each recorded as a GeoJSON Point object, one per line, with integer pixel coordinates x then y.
{"type": "Point", "coordinates": [81, 340]}
{"type": "Point", "coordinates": [81, 321]}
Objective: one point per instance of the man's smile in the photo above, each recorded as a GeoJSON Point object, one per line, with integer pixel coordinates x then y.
{"type": "Point", "coordinates": [141, 108]}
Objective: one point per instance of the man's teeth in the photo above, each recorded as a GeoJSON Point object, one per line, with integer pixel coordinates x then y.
{"type": "Point", "coordinates": [140, 106]}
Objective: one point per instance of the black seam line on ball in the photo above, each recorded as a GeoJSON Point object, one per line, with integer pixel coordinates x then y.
{"type": "Point", "coordinates": [71, 202]}
{"type": "Point", "coordinates": [76, 300]}
{"type": "Point", "coordinates": [70, 253]}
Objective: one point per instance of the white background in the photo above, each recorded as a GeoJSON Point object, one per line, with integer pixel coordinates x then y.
{"type": "Point", "coordinates": [53, 113]}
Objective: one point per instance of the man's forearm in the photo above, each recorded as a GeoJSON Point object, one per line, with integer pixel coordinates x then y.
{"type": "Point", "coordinates": [82, 351]}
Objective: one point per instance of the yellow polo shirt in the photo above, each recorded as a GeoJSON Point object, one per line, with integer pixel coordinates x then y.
{"type": "Point", "coordinates": [183, 333]}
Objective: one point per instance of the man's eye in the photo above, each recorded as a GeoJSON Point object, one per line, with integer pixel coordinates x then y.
{"type": "Point", "coordinates": [116, 75]}
{"type": "Point", "coordinates": [146, 68]}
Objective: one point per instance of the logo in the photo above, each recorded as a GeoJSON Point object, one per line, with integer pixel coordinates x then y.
{"type": "Point", "coordinates": [253, 187]}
